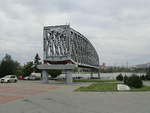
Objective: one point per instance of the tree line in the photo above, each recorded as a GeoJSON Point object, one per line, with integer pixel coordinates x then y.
{"type": "Point", "coordinates": [8, 66]}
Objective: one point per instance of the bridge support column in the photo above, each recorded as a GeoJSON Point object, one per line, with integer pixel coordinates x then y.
{"type": "Point", "coordinates": [99, 74]}
{"type": "Point", "coordinates": [68, 76]}
{"type": "Point", "coordinates": [44, 76]}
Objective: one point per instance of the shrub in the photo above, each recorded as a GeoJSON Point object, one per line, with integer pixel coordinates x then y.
{"type": "Point", "coordinates": [125, 79]}
{"type": "Point", "coordinates": [134, 81]}
{"type": "Point", "coordinates": [119, 77]}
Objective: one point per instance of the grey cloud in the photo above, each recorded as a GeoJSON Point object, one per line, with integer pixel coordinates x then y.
{"type": "Point", "coordinates": [119, 30]}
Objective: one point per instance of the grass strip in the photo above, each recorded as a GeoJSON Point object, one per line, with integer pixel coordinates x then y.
{"type": "Point", "coordinates": [99, 87]}
{"type": "Point", "coordinates": [109, 87]}
{"type": "Point", "coordinates": [95, 80]}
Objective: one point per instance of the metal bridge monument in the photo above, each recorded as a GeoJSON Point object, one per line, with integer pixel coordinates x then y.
{"type": "Point", "coordinates": [66, 49]}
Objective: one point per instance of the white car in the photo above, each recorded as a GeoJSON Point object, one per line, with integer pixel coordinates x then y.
{"type": "Point", "coordinates": [30, 78]}
{"type": "Point", "coordinates": [9, 78]}
{"type": "Point", "coordinates": [27, 78]}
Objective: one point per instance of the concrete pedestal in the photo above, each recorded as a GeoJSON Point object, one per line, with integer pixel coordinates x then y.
{"type": "Point", "coordinates": [68, 77]}
{"type": "Point", "coordinates": [44, 76]}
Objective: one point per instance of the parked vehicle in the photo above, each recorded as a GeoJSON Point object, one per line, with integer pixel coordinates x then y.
{"type": "Point", "coordinates": [35, 76]}
{"type": "Point", "coordinates": [21, 77]}
{"type": "Point", "coordinates": [27, 78]}
{"type": "Point", "coordinates": [9, 79]}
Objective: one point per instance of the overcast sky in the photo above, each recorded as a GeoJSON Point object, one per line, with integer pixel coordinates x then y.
{"type": "Point", "coordinates": [118, 29]}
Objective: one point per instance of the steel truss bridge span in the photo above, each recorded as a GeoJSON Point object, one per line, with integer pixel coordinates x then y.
{"type": "Point", "coordinates": [64, 45]}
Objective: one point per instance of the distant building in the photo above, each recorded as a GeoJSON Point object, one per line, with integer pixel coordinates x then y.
{"type": "Point", "coordinates": [142, 65]}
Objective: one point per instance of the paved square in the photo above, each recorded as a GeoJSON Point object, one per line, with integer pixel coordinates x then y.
{"type": "Point", "coordinates": [34, 97]}
{"type": "Point", "coordinates": [14, 91]}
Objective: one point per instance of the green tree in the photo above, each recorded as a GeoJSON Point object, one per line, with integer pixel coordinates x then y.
{"type": "Point", "coordinates": [119, 77]}
{"type": "Point", "coordinates": [37, 59]}
{"type": "Point", "coordinates": [27, 69]}
{"type": "Point", "coordinates": [8, 66]}
{"type": "Point", "coordinates": [36, 62]}
{"type": "Point", "coordinates": [54, 73]}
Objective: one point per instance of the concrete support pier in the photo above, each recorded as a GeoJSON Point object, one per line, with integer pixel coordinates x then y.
{"type": "Point", "coordinates": [68, 68]}
{"type": "Point", "coordinates": [44, 76]}
{"type": "Point", "coordinates": [68, 77]}
{"type": "Point", "coordinates": [99, 74]}
{"type": "Point", "coordinates": [91, 74]}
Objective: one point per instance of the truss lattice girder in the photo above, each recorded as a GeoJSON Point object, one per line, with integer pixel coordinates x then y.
{"type": "Point", "coordinates": [63, 43]}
